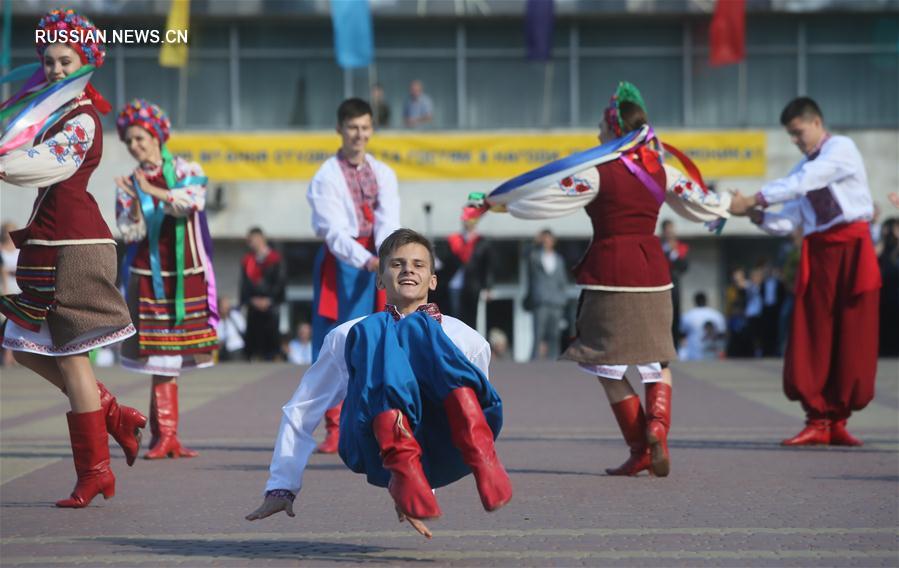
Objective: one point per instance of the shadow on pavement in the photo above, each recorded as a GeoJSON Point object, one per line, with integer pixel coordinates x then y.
{"type": "Point", "coordinates": [765, 445]}
{"type": "Point", "coordinates": [264, 467]}
{"type": "Point", "coordinates": [554, 472]}
{"type": "Point", "coordinates": [889, 478]}
{"type": "Point", "coordinates": [261, 549]}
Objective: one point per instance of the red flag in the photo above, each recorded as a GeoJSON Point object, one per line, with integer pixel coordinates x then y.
{"type": "Point", "coordinates": [727, 33]}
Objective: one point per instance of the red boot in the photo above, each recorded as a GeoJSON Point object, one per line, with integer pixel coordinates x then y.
{"type": "Point", "coordinates": [164, 408]}
{"type": "Point", "coordinates": [839, 436]}
{"type": "Point", "coordinates": [658, 417]}
{"type": "Point", "coordinates": [632, 422]}
{"type": "Point", "coordinates": [90, 451]}
{"type": "Point", "coordinates": [401, 455]}
{"type": "Point", "coordinates": [815, 433]}
{"type": "Point", "coordinates": [474, 438]}
{"type": "Point", "coordinates": [123, 423]}
{"type": "Point", "coordinates": [332, 427]}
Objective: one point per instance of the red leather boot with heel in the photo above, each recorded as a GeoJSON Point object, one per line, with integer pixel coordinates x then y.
{"type": "Point", "coordinates": [332, 427]}
{"type": "Point", "coordinates": [164, 424]}
{"type": "Point", "coordinates": [401, 455]}
{"type": "Point", "coordinates": [90, 452]}
{"type": "Point", "coordinates": [123, 423]}
{"type": "Point", "coordinates": [473, 437]}
{"type": "Point", "coordinates": [658, 422]}
{"type": "Point", "coordinates": [632, 421]}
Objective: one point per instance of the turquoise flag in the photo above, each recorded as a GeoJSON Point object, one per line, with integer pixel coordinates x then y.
{"type": "Point", "coordinates": [353, 35]}
{"type": "Point", "coordinates": [6, 47]}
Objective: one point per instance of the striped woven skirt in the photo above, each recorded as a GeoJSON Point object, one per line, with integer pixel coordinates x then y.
{"type": "Point", "coordinates": [164, 346]}
{"type": "Point", "coordinates": [69, 303]}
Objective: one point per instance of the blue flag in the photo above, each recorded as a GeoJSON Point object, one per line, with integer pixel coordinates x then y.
{"type": "Point", "coordinates": [353, 41]}
{"type": "Point", "coordinates": [538, 26]}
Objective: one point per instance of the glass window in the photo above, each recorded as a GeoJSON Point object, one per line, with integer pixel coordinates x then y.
{"type": "Point", "coordinates": [302, 93]}
{"type": "Point", "coordinates": [715, 94]}
{"type": "Point", "coordinates": [209, 35]}
{"type": "Point", "coordinates": [144, 78]}
{"type": "Point", "coordinates": [863, 29]}
{"type": "Point", "coordinates": [771, 83]}
{"type": "Point", "coordinates": [509, 93]}
{"type": "Point", "coordinates": [856, 90]}
{"type": "Point", "coordinates": [651, 33]}
{"type": "Point", "coordinates": [208, 87]}
{"type": "Point", "coordinates": [658, 78]}
{"type": "Point", "coordinates": [507, 34]}
{"type": "Point", "coordinates": [438, 77]}
{"type": "Point", "coordinates": [770, 31]}
{"type": "Point", "coordinates": [295, 34]}
{"type": "Point", "coordinates": [415, 34]}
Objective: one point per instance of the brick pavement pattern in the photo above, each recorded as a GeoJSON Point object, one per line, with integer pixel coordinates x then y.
{"type": "Point", "coordinates": [734, 498]}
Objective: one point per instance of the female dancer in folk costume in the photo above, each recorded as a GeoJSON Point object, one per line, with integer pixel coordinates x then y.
{"type": "Point", "coordinates": [69, 303]}
{"type": "Point", "coordinates": [170, 283]}
{"type": "Point", "coordinates": [625, 309]}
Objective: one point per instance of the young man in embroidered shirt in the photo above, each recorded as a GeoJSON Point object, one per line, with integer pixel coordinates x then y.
{"type": "Point", "coordinates": [419, 412]}
{"type": "Point", "coordinates": [355, 206]}
{"type": "Point", "coordinates": [831, 358]}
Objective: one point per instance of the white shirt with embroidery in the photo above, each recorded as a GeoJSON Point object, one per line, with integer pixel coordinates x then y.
{"type": "Point", "coordinates": [324, 385]}
{"type": "Point", "coordinates": [835, 181]}
{"type": "Point", "coordinates": [52, 160]}
{"type": "Point", "coordinates": [685, 197]}
{"type": "Point", "coordinates": [185, 200]}
{"type": "Point", "coordinates": [334, 213]}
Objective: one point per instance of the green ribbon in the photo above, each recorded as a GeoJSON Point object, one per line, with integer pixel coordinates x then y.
{"type": "Point", "coordinates": [171, 180]}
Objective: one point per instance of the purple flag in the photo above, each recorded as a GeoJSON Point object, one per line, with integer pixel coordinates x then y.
{"type": "Point", "coordinates": [538, 29]}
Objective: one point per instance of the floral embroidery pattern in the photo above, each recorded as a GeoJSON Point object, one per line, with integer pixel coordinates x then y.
{"type": "Point", "coordinates": [692, 192]}
{"type": "Point", "coordinates": [573, 185]}
{"type": "Point", "coordinates": [20, 344]}
{"type": "Point", "coordinates": [74, 147]}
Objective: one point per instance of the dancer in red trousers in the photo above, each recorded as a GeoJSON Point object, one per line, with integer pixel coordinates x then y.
{"type": "Point", "coordinates": [69, 303]}
{"type": "Point", "coordinates": [831, 359]}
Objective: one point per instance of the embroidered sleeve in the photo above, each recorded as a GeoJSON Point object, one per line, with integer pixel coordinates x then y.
{"type": "Point", "coordinates": [782, 222]}
{"type": "Point", "coordinates": [129, 220]}
{"type": "Point", "coordinates": [183, 201]}
{"type": "Point", "coordinates": [558, 199]}
{"type": "Point", "coordinates": [330, 220]}
{"type": "Point", "coordinates": [833, 164]}
{"type": "Point", "coordinates": [54, 159]}
{"type": "Point", "coordinates": [387, 212]}
{"type": "Point", "coordinates": [688, 200]}
{"type": "Point", "coordinates": [324, 385]}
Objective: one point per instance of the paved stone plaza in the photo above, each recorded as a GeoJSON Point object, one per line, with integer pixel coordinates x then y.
{"type": "Point", "coordinates": [734, 498]}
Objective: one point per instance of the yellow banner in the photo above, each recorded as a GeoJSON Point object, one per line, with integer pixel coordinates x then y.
{"type": "Point", "coordinates": [443, 156]}
{"type": "Point", "coordinates": [175, 54]}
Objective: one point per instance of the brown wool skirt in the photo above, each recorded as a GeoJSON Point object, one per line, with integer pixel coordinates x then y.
{"type": "Point", "coordinates": [623, 328]}
{"type": "Point", "coordinates": [86, 298]}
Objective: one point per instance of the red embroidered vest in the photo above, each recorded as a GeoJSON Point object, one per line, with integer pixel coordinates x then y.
{"type": "Point", "coordinates": [624, 252]}
{"type": "Point", "coordinates": [65, 211]}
